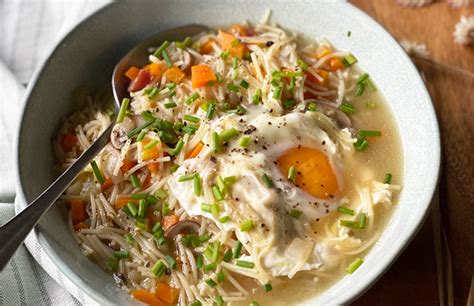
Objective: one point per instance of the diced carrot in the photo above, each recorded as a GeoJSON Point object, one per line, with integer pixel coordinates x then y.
{"type": "Point", "coordinates": [335, 64]}
{"type": "Point", "coordinates": [78, 211]}
{"type": "Point", "coordinates": [229, 42]}
{"type": "Point", "coordinates": [132, 73]}
{"type": "Point", "coordinates": [166, 293]}
{"type": "Point", "coordinates": [107, 184]}
{"type": "Point", "coordinates": [153, 167]}
{"type": "Point", "coordinates": [322, 51]}
{"type": "Point", "coordinates": [322, 73]}
{"type": "Point", "coordinates": [238, 29]}
{"type": "Point", "coordinates": [127, 165]}
{"type": "Point", "coordinates": [143, 79]}
{"type": "Point", "coordinates": [195, 151]}
{"type": "Point", "coordinates": [206, 47]}
{"type": "Point", "coordinates": [147, 297]}
{"type": "Point", "coordinates": [79, 226]}
{"type": "Point", "coordinates": [121, 202]}
{"type": "Point", "coordinates": [201, 75]}
{"type": "Point", "coordinates": [68, 142]}
{"type": "Point", "coordinates": [169, 221]}
{"type": "Point", "coordinates": [150, 153]}
{"type": "Point", "coordinates": [174, 75]}
{"type": "Point", "coordinates": [155, 69]}
{"type": "Point", "coordinates": [147, 182]}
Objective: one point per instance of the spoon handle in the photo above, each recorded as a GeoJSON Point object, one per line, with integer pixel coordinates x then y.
{"type": "Point", "coordinates": [14, 232]}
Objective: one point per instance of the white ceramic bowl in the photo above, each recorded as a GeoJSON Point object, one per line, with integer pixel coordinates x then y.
{"type": "Point", "coordinates": [88, 54]}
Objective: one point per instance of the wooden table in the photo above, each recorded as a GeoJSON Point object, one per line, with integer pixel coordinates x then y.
{"type": "Point", "coordinates": [412, 280]}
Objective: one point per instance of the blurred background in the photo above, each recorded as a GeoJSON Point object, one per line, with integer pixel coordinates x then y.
{"type": "Point", "coordinates": [436, 268]}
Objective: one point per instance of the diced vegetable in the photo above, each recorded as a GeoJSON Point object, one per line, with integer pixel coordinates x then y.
{"type": "Point", "coordinates": [68, 142]}
{"type": "Point", "coordinates": [147, 297]}
{"type": "Point", "coordinates": [143, 78]}
{"type": "Point", "coordinates": [354, 265]}
{"type": "Point", "coordinates": [239, 30]}
{"type": "Point", "coordinates": [169, 221]}
{"type": "Point", "coordinates": [174, 75]}
{"type": "Point", "coordinates": [322, 51]}
{"type": "Point", "coordinates": [107, 184]}
{"type": "Point", "coordinates": [127, 165]}
{"type": "Point", "coordinates": [166, 293]}
{"type": "Point", "coordinates": [335, 64]}
{"type": "Point", "coordinates": [202, 75]}
{"type": "Point", "coordinates": [388, 178]}
{"type": "Point", "coordinates": [80, 226]}
{"type": "Point", "coordinates": [156, 70]}
{"type": "Point", "coordinates": [206, 47]}
{"type": "Point", "coordinates": [246, 225]}
{"type": "Point", "coordinates": [152, 152]}
{"type": "Point", "coordinates": [132, 73]}
{"type": "Point", "coordinates": [78, 211]}
{"type": "Point", "coordinates": [121, 202]}
{"type": "Point", "coordinates": [97, 173]}
{"type": "Point", "coordinates": [195, 151]}
{"type": "Point", "coordinates": [230, 43]}
{"type": "Point", "coordinates": [153, 167]}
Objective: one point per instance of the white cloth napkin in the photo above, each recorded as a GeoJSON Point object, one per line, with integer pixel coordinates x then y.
{"type": "Point", "coordinates": [29, 30]}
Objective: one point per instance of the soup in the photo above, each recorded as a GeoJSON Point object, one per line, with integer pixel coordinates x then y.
{"type": "Point", "coordinates": [245, 165]}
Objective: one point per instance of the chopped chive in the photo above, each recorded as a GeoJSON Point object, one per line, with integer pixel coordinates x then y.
{"type": "Point", "coordinates": [153, 93]}
{"type": "Point", "coordinates": [370, 86]}
{"type": "Point", "coordinates": [221, 185]}
{"type": "Point", "coordinates": [244, 84]}
{"type": "Point", "coordinates": [227, 256]}
{"type": "Point", "coordinates": [302, 64]}
{"type": "Point", "coordinates": [171, 86]}
{"type": "Point", "coordinates": [190, 118]}
{"type": "Point", "coordinates": [371, 105]}
{"type": "Point", "coordinates": [187, 41]}
{"type": "Point", "coordinates": [120, 254]}
{"type": "Point", "coordinates": [216, 143]}
{"type": "Point", "coordinates": [165, 210]}
{"type": "Point", "coordinates": [171, 262]}
{"type": "Point", "coordinates": [244, 141]}
{"type": "Point", "coordinates": [312, 107]}
{"type": "Point", "coordinates": [349, 223]}
{"type": "Point", "coordinates": [347, 108]}
{"type": "Point", "coordinates": [228, 134]}
{"type": "Point", "coordinates": [224, 219]}
{"type": "Point", "coordinates": [354, 265]}
{"type": "Point", "coordinates": [219, 300]}
{"type": "Point", "coordinates": [267, 180]}
{"type": "Point", "coordinates": [369, 133]}
{"type": "Point", "coordinates": [345, 210]}
{"type": "Point", "coordinates": [215, 209]}
{"type": "Point", "coordinates": [229, 180]}
{"type": "Point", "coordinates": [197, 185]}
{"type": "Point", "coordinates": [135, 181]}
{"type": "Point", "coordinates": [216, 245]}
{"type": "Point", "coordinates": [211, 283]}
{"type": "Point", "coordinates": [159, 268]}
{"type": "Point", "coordinates": [192, 98]}
{"type": "Point", "coordinates": [362, 78]}
{"type": "Point", "coordinates": [360, 88]}
{"type": "Point", "coordinates": [150, 145]}
{"type": "Point", "coordinates": [141, 223]}
{"type": "Point", "coordinates": [289, 103]}
{"type": "Point", "coordinates": [141, 135]}
{"type": "Point", "coordinates": [196, 303]}
{"type": "Point", "coordinates": [206, 207]}
{"type": "Point", "coordinates": [185, 178]}
{"type": "Point", "coordinates": [127, 211]}
{"type": "Point", "coordinates": [388, 178]}
{"type": "Point", "coordinates": [349, 33]}
{"type": "Point", "coordinates": [97, 173]}
{"type": "Point", "coordinates": [137, 130]}
{"type": "Point", "coordinates": [277, 92]}
{"type": "Point", "coordinates": [132, 209]}
{"type": "Point", "coordinates": [361, 144]}
{"type": "Point", "coordinates": [246, 225]}
{"type": "Point", "coordinates": [292, 173]}
{"type": "Point", "coordinates": [110, 112]}
{"type": "Point", "coordinates": [233, 87]}
{"type": "Point", "coordinates": [113, 264]}
{"type": "Point", "coordinates": [219, 78]}
{"type": "Point", "coordinates": [170, 105]}
{"type": "Point", "coordinates": [163, 47]}
{"type": "Point", "coordinates": [225, 55]}
{"type": "Point", "coordinates": [245, 264]}
{"type": "Point", "coordinates": [349, 60]}
{"type": "Point", "coordinates": [237, 249]}
{"type": "Point", "coordinates": [129, 238]}
{"type": "Point", "coordinates": [267, 287]}
{"type": "Point", "coordinates": [257, 96]}
{"type": "Point", "coordinates": [142, 206]}
{"type": "Point", "coordinates": [211, 109]}
{"type": "Point", "coordinates": [138, 196]}
{"type": "Point", "coordinates": [161, 194]}
{"type": "Point", "coordinates": [173, 168]}
{"type": "Point", "coordinates": [157, 228]}
{"type": "Point", "coordinates": [295, 213]}
{"type": "Point", "coordinates": [217, 193]}
{"type": "Point", "coordinates": [147, 115]}
{"type": "Point", "coordinates": [292, 84]}
{"type": "Point", "coordinates": [221, 277]}
{"type": "Point", "coordinates": [177, 148]}
{"type": "Point", "coordinates": [254, 303]}
{"type": "Point", "coordinates": [172, 93]}
{"type": "Point", "coordinates": [235, 75]}
{"type": "Point", "coordinates": [151, 199]}
{"type": "Point", "coordinates": [199, 261]}
{"type": "Point", "coordinates": [190, 129]}
{"type": "Point", "coordinates": [235, 63]}
{"type": "Point", "coordinates": [210, 267]}
{"type": "Point", "coordinates": [362, 221]}
{"type": "Point", "coordinates": [123, 110]}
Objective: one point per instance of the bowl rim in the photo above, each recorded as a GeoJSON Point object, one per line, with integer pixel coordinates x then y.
{"type": "Point", "coordinates": [360, 288]}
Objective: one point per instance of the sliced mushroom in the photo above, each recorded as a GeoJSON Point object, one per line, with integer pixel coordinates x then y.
{"type": "Point", "coordinates": [342, 120]}
{"type": "Point", "coordinates": [182, 227]}
{"type": "Point", "coordinates": [118, 137]}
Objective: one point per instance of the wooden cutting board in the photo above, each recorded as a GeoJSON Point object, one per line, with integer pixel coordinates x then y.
{"type": "Point", "coordinates": [412, 280]}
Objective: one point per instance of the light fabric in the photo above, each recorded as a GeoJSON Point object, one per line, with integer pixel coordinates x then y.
{"type": "Point", "coordinates": [29, 30]}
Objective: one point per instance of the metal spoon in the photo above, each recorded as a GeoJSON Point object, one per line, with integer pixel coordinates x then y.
{"type": "Point", "coordinates": [14, 232]}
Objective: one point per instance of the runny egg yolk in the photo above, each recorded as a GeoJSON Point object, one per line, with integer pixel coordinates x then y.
{"type": "Point", "coordinates": [314, 172]}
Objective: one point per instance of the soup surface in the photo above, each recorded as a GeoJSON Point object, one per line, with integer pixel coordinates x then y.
{"type": "Point", "coordinates": [247, 166]}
